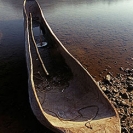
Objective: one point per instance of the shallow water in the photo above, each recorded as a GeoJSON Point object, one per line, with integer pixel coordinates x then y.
{"type": "Point", "coordinates": [98, 33]}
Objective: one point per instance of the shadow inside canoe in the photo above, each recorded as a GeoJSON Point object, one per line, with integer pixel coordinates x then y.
{"type": "Point", "coordinates": [65, 95]}
{"type": "Point", "coordinates": [68, 94]}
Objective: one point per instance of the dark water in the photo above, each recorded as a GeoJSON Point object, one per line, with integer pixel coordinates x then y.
{"type": "Point", "coordinates": [99, 33]}
{"type": "Point", "coordinates": [15, 112]}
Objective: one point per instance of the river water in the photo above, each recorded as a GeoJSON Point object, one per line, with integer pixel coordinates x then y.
{"type": "Point", "coordinates": [99, 33]}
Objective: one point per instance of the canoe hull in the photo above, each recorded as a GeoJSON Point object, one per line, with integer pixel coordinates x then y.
{"type": "Point", "coordinates": [89, 98]}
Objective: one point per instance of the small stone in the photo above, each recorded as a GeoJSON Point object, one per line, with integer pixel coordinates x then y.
{"type": "Point", "coordinates": [115, 104]}
{"type": "Point", "coordinates": [130, 87]}
{"type": "Point", "coordinates": [122, 110]}
{"type": "Point", "coordinates": [124, 94]}
{"type": "Point", "coordinates": [121, 68]}
{"type": "Point", "coordinates": [110, 74]}
{"type": "Point", "coordinates": [131, 127]}
{"type": "Point", "coordinates": [108, 77]}
{"type": "Point", "coordinates": [131, 70]}
{"type": "Point", "coordinates": [122, 121]}
{"type": "Point", "coordinates": [115, 90]}
{"type": "Point", "coordinates": [118, 101]}
{"type": "Point", "coordinates": [129, 82]}
{"type": "Point", "coordinates": [104, 88]}
{"type": "Point", "coordinates": [116, 95]}
{"type": "Point", "coordinates": [131, 130]}
{"type": "Point", "coordinates": [113, 99]}
{"type": "Point", "coordinates": [98, 83]}
{"type": "Point", "coordinates": [123, 118]}
{"type": "Point", "coordinates": [131, 58]}
{"type": "Point", "coordinates": [123, 103]}
{"type": "Point", "coordinates": [132, 106]}
{"type": "Point", "coordinates": [130, 78]}
{"type": "Point", "coordinates": [127, 70]}
{"type": "Point", "coordinates": [125, 130]}
{"type": "Point", "coordinates": [128, 114]}
{"type": "Point", "coordinates": [105, 70]}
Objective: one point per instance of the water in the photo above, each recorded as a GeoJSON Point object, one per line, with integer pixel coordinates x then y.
{"type": "Point", "coordinates": [15, 112]}
{"type": "Point", "coordinates": [99, 33]}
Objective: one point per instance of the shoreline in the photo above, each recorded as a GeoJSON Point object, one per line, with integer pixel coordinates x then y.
{"type": "Point", "coordinates": [119, 90]}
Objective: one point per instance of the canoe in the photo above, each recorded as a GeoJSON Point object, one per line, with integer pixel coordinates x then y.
{"type": "Point", "coordinates": [63, 95]}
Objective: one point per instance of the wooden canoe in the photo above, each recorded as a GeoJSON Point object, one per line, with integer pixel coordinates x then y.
{"type": "Point", "coordinates": [63, 95]}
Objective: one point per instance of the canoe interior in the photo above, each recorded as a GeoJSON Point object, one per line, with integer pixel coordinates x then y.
{"type": "Point", "coordinates": [69, 97]}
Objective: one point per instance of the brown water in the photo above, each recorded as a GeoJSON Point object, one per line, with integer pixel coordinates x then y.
{"type": "Point", "coordinates": [98, 33]}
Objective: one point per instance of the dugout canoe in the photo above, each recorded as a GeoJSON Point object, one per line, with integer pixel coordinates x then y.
{"type": "Point", "coordinates": [63, 95]}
